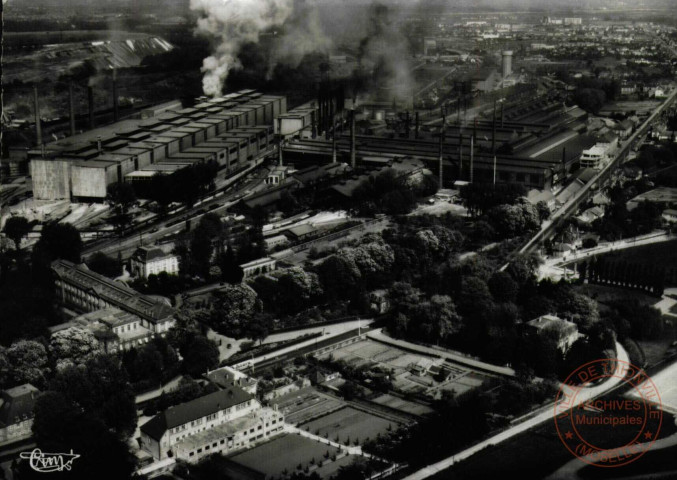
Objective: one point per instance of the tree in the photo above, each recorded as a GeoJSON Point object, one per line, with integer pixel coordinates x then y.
{"type": "Point", "coordinates": [73, 346]}
{"type": "Point", "coordinates": [102, 390]}
{"type": "Point", "coordinates": [29, 362]}
{"type": "Point", "coordinates": [16, 228]}
{"type": "Point", "coordinates": [503, 287]}
{"type": "Point", "coordinates": [232, 308]}
{"type": "Point", "coordinates": [60, 426]}
{"type": "Point", "coordinates": [543, 210]}
{"type": "Point", "coordinates": [295, 283]}
{"type": "Point", "coordinates": [340, 277]}
{"type": "Point", "coordinates": [58, 240]}
{"type": "Point", "coordinates": [101, 263]}
{"type": "Point", "coordinates": [199, 355]}
{"type": "Point", "coordinates": [121, 197]}
{"type": "Point", "coordinates": [230, 270]}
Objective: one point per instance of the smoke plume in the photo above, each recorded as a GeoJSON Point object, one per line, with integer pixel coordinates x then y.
{"type": "Point", "coordinates": [233, 23]}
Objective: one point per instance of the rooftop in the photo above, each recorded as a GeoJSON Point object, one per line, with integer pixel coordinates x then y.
{"type": "Point", "coordinates": [189, 411]}
{"type": "Point", "coordinates": [17, 404]}
{"type": "Point", "coordinates": [117, 293]}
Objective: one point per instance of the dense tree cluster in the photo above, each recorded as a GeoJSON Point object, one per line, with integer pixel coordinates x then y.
{"type": "Point", "coordinates": [388, 192]}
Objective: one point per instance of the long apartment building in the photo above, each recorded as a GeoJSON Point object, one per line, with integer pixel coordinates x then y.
{"type": "Point", "coordinates": [87, 291]}
{"type": "Point", "coordinates": [220, 422]}
{"type": "Point", "coordinates": [230, 130]}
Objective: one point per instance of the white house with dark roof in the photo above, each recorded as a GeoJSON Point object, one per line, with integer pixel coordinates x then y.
{"type": "Point", "coordinates": [16, 412]}
{"type": "Point", "coordinates": [223, 421]}
{"type": "Point", "coordinates": [152, 261]}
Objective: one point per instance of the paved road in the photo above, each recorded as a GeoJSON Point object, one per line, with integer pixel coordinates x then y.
{"type": "Point", "coordinates": [334, 329]}
{"type": "Point", "coordinates": [439, 352]}
{"type": "Point", "coordinates": [583, 395]}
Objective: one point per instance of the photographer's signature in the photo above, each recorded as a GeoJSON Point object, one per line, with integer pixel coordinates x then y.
{"type": "Point", "coordinates": [49, 462]}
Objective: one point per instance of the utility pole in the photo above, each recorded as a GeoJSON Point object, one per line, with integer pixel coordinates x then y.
{"type": "Point", "coordinates": [441, 155]}
{"type": "Point", "coordinates": [333, 140]}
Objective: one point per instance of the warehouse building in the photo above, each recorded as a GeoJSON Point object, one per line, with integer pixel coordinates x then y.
{"type": "Point", "coordinates": [229, 130]}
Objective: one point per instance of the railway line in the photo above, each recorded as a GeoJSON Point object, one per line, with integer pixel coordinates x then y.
{"type": "Point", "coordinates": [593, 186]}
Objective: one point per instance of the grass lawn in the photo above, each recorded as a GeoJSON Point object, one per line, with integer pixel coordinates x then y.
{"type": "Point", "coordinates": [349, 423]}
{"type": "Point", "coordinates": [283, 453]}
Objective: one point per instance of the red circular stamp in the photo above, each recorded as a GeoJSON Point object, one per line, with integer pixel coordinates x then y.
{"type": "Point", "coordinates": [608, 413]}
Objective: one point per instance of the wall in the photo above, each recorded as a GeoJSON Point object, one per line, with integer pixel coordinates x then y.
{"type": "Point", "coordinates": [89, 182]}
{"type": "Point", "coordinates": [51, 179]}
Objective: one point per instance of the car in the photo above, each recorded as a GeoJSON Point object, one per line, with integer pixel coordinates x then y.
{"type": "Point", "coordinates": [153, 230]}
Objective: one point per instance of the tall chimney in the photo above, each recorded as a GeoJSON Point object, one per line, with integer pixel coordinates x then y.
{"type": "Point", "coordinates": [441, 155]}
{"type": "Point", "coordinates": [90, 103]}
{"type": "Point", "coordinates": [493, 131]}
{"type": "Point", "coordinates": [71, 108]}
{"type": "Point", "coordinates": [502, 114]}
{"type": "Point", "coordinates": [472, 157]}
{"type": "Point", "coordinates": [506, 63]}
{"type": "Point", "coordinates": [353, 155]}
{"type": "Point", "coordinates": [460, 156]}
{"type": "Point", "coordinates": [333, 140]}
{"type": "Point", "coordinates": [407, 123]}
{"type": "Point", "coordinates": [98, 144]}
{"type": "Point", "coordinates": [417, 124]}
{"type": "Point", "coordinates": [116, 113]}
{"type": "Point", "coordinates": [313, 122]}
{"type": "Point", "coordinates": [564, 160]}
{"type": "Point", "coordinates": [279, 141]}
{"type": "Point", "coordinates": [38, 126]}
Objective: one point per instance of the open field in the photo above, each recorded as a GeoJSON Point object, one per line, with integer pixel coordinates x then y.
{"type": "Point", "coordinates": [305, 404]}
{"type": "Point", "coordinates": [349, 424]}
{"type": "Point", "coordinates": [284, 453]}
{"type": "Point", "coordinates": [330, 469]}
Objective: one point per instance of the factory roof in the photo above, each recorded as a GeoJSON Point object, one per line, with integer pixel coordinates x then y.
{"type": "Point", "coordinates": [141, 173]}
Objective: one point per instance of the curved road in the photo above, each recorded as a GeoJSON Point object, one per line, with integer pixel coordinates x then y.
{"type": "Point", "coordinates": [546, 415]}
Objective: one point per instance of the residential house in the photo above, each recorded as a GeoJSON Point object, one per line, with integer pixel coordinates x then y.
{"type": "Point", "coordinates": [148, 261]}
{"type": "Point", "coordinates": [258, 266]}
{"type": "Point", "coordinates": [221, 422]}
{"type": "Point", "coordinates": [563, 331]}
{"type": "Point", "coordinates": [16, 412]}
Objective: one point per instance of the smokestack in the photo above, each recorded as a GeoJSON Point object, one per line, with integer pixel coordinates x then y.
{"type": "Point", "coordinates": [98, 143]}
{"type": "Point", "coordinates": [333, 140]}
{"type": "Point", "coordinates": [494, 171]}
{"type": "Point", "coordinates": [564, 160]}
{"type": "Point", "coordinates": [472, 157]}
{"type": "Point", "coordinates": [71, 108]}
{"type": "Point", "coordinates": [36, 106]}
{"type": "Point", "coordinates": [279, 142]}
{"type": "Point", "coordinates": [353, 156]}
{"type": "Point", "coordinates": [90, 99]}
{"type": "Point", "coordinates": [441, 155]}
{"type": "Point", "coordinates": [116, 113]}
{"type": "Point", "coordinates": [313, 122]}
{"type": "Point", "coordinates": [407, 123]}
{"type": "Point", "coordinates": [460, 156]}
{"type": "Point", "coordinates": [493, 131]}
{"type": "Point", "coordinates": [506, 63]}
{"type": "Point", "coordinates": [417, 124]}
{"type": "Point", "coordinates": [502, 114]}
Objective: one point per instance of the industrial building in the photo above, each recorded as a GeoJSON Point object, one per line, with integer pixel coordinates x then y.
{"type": "Point", "coordinates": [229, 130]}
{"type": "Point", "coordinates": [537, 146]}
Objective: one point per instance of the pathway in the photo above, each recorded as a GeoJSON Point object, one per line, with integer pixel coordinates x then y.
{"type": "Point", "coordinates": [378, 335]}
